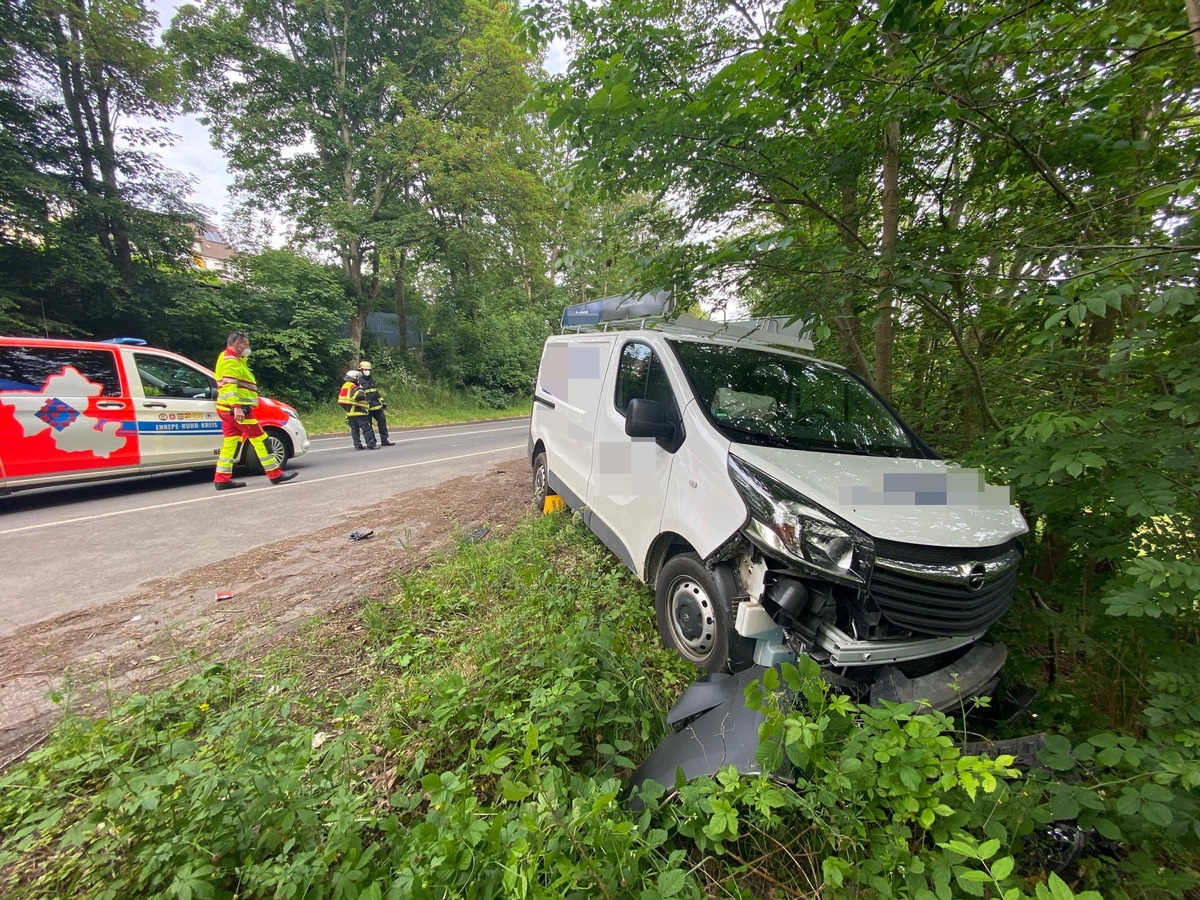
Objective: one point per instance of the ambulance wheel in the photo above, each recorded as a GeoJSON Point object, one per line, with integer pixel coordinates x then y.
{"type": "Point", "coordinates": [694, 610]}
{"type": "Point", "coordinates": [277, 446]}
{"type": "Point", "coordinates": [541, 480]}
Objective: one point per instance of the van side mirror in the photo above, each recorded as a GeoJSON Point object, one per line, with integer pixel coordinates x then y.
{"type": "Point", "coordinates": [646, 418]}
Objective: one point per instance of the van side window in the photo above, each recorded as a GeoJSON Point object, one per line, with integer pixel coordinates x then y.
{"type": "Point", "coordinates": [165, 377]}
{"type": "Point", "coordinates": [641, 375]}
{"type": "Point", "coordinates": [29, 368]}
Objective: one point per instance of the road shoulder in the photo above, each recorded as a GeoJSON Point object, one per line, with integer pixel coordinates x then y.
{"type": "Point", "coordinates": [159, 632]}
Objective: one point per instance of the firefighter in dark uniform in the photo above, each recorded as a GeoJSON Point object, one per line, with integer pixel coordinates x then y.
{"type": "Point", "coordinates": [375, 402]}
{"type": "Point", "coordinates": [353, 401]}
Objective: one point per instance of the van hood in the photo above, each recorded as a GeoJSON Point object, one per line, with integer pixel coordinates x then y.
{"type": "Point", "coordinates": [913, 501]}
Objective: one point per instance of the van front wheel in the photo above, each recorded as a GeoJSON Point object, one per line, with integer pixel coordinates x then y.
{"type": "Point", "coordinates": [541, 481]}
{"type": "Point", "coordinates": [694, 610]}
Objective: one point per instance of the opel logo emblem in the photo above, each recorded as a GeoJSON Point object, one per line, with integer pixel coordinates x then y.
{"type": "Point", "coordinates": [975, 576]}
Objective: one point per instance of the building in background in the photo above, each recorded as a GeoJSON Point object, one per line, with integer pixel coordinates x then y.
{"type": "Point", "coordinates": [385, 328]}
{"type": "Point", "coordinates": [211, 252]}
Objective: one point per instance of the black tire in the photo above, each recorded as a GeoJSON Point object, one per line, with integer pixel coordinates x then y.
{"type": "Point", "coordinates": [694, 610]}
{"type": "Point", "coordinates": [277, 444]}
{"type": "Point", "coordinates": [541, 480]}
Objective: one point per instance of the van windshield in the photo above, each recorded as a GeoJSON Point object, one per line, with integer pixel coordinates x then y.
{"type": "Point", "coordinates": [759, 397]}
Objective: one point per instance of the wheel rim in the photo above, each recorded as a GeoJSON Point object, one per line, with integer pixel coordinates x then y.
{"type": "Point", "coordinates": [277, 449]}
{"type": "Point", "coordinates": [691, 618]}
{"type": "Point", "coordinates": [540, 484]}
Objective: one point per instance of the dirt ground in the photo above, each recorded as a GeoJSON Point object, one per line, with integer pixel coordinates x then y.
{"type": "Point", "coordinates": [132, 644]}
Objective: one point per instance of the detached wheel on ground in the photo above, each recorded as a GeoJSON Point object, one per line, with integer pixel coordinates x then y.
{"type": "Point", "coordinates": [541, 481]}
{"type": "Point", "coordinates": [277, 444]}
{"type": "Point", "coordinates": [694, 610]}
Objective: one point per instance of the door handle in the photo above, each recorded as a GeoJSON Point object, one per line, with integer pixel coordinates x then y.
{"type": "Point", "coordinates": [154, 405]}
{"type": "Point", "coordinates": [110, 404]}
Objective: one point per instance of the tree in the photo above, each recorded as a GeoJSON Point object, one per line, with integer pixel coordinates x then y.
{"type": "Point", "coordinates": [1014, 190]}
{"type": "Point", "coordinates": [100, 58]}
{"type": "Point", "coordinates": [618, 245]}
{"type": "Point", "coordinates": [91, 223]}
{"type": "Point", "coordinates": [377, 127]}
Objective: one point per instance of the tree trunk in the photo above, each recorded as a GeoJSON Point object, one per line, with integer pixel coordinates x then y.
{"type": "Point", "coordinates": [354, 330]}
{"type": "Point", "coordinates": [968, 423]}
{"type": "Point", "coordinates": [72, 90]}
{"type": "Point", "coordinates": [352, 274]}
{"type": "Point", "coordinates": [1193, 14]}
{"type": "Point", "coordinates": [106, 154]}
{"type": "Point", "coordinates": [400, 298]}
{"type": "Point", "coordinates": [848, 324]}
{"type": "Point", "coordinates": [884, 334]}
{"type": "Point", "coordinates": [77, 98]}
{"type": "Point", "coordinates": [923, 366]}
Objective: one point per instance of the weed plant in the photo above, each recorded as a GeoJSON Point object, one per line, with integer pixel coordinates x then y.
{"type": "Point", "coordinates": [482, 749]}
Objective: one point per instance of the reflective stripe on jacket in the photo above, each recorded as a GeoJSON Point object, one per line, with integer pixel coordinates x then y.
{"type": "Point", "coordinates": [352, 399]}
{"type": "Point", "coordinates": [371, 390]}
{"type": "Point", "coordinates": [235, 382]}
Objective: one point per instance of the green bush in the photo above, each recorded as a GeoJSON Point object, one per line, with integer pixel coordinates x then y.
{"type": "Point", "coordinates": [483, 746]}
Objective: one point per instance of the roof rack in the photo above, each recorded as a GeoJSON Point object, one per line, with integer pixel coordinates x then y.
{"type": "Point", "coordinates": [781, 331]}
{"type": "Point", "coordinates": [632, 323]}
{"type": "Point", "coordinates": [778, 331]}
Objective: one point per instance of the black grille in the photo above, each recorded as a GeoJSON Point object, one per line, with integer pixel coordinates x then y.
{"type": "Point", "coordinates": [940, 608]}
{"type": "Point", "coordinates": [920, 553]}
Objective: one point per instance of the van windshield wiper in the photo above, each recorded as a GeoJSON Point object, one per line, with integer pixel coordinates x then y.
{"type": "Point", "coordinates": [761, 439]}
{"type": "Point", "coordinates": [758, 438]}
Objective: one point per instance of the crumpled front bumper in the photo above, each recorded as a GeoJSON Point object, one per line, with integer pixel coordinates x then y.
{"type": "Point", "coordinates": [713, 728]}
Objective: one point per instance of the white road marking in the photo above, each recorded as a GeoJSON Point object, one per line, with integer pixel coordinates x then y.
{"type": "Point", "coordinates": [411, 440]}
{"type": "Point", "coordinates": [227, 496]}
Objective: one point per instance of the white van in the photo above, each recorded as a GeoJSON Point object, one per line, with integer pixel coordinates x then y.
{"type": "Point", "coordinates": [778, 506]}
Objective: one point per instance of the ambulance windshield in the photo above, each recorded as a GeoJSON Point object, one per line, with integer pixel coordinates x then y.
{"type": "Point", "coordinates": [758, 397]}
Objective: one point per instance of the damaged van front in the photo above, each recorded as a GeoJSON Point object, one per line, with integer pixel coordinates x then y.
{"type": "Point", "coordinates": [780, 507]}
{"type": "Point", "coordinates": [860, 548]}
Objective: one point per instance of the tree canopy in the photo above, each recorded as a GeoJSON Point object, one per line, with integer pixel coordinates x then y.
{"type": "Point", "coordinates": [988, 211]}
{"type": "Point", "coordinates": [90, 223]}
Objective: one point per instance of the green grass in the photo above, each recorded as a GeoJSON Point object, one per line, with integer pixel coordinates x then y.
{"type": "Point", "coordinates": [412, 402]}
{"type": "Point", "coordinates": [472, 736]}
{"type": "Point", "coordinates": [490, 695]}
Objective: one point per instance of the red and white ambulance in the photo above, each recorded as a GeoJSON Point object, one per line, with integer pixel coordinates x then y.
{"type": "Point", "coordinates": [74, 411]}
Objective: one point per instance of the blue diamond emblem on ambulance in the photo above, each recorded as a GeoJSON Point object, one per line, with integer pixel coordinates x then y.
{"type": "Point", "coordinates": [56, 414]}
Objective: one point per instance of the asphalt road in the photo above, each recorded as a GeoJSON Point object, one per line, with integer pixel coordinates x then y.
{"type": "Point", "coordinates": [68, 549]}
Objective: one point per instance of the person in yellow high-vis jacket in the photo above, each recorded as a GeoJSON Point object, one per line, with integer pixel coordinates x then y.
{"type": "Point", "coordinates": [353, 401]}
{"type": "Point", "coordinates": [237, 397]}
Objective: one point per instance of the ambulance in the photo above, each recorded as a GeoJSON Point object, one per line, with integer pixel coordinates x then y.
{"type": "Point", "coordinates": [76, 411]}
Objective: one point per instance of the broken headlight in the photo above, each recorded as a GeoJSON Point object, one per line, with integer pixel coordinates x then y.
{"type": "Point", "coordinates": [785, 522]}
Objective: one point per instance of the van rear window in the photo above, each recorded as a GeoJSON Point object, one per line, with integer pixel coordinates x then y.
{"type": "Point", "coordinates": [29, 368]}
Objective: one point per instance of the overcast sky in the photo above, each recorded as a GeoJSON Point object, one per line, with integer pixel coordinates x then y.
{"type": "Point", "coordinates": [194, 155]}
